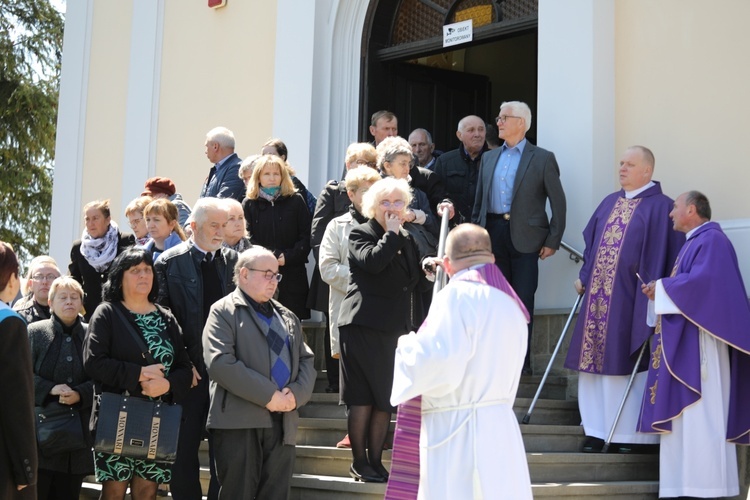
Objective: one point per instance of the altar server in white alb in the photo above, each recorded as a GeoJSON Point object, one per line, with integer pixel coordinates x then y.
{"type": "Point", "coordinates": [466, 362]}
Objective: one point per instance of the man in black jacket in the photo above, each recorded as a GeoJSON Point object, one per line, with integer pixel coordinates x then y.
{"type": "Point", "coordinates": [192, 276]}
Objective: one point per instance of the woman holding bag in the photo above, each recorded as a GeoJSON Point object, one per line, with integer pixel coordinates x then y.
{"type": "Point", "coordinates": [60, 382]}
{"type": "Point", "coordinates": [115, 361]}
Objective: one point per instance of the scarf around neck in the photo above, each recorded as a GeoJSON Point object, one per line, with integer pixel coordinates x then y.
{"type": "Point", "coordinates": [99, 252]}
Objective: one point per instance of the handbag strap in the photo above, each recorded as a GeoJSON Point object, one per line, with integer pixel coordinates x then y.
{"type": "Point", "coordinates": [138, 338]}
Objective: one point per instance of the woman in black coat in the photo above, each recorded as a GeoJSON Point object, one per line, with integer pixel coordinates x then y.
{"type": "Point", "coordinates": [379, 306]}
{"type": "Point", "coordinates": [92, 255]}
{"type": "Point", "coordinates": [59, 380]}
{"type": "Point", "coordinates": [277, 218]}
{"type": "Point", "coordinates": [113, 359]}
{"type": "Point", "coordinates": [18, 455]}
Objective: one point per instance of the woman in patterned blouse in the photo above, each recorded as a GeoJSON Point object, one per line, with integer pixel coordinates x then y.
{"type": "Point", "coordinates": [114, 361]}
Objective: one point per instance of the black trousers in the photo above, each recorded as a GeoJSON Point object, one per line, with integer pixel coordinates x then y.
{"type": "Point", "coordinates": [53, 485]}
{"type": "Point", "coordinates": [520, 269]}
{"type": "Point", "coordinates": [254, 463]}
{"type": "Point", "coordinates": [185, 483]}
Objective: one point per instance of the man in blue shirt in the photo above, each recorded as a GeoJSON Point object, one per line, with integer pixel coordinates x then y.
{"type": "Point", "coordinates": [515, 182]}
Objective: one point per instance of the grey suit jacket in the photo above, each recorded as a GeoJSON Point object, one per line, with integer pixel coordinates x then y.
{"type": "Point", "coordinates": [239, 366]}
{"type": "Point", "coordinates": [537, 179]}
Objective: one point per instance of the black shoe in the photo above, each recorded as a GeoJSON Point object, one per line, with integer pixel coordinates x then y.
{"type": "Point", "coordinates": [332, 389]}
{"type": "Point", "coordinates": [365, 478]}
{"type": "Point", "coordinates": [643, 449]}
{"type": "Point", "coordinates": [380, 469]}
{"type": "Point", "coordinates": [592, 445]}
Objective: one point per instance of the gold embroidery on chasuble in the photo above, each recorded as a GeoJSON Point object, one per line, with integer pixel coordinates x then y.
{"type": "Point", "coordinates": [601, 284]}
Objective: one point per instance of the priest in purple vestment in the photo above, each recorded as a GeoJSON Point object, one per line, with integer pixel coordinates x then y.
{"type": "Point", "coordinates": [629, 235]}
{"type": "Point", "coordinates": [697, 393]}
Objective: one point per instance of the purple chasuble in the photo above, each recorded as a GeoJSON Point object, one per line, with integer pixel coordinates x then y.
{"type": "Point", "coordinates": [403, 483]}
{"type": "Point", "coordinates": [707, 288]}
{"type": "Point", "coordinates": [623, 237]}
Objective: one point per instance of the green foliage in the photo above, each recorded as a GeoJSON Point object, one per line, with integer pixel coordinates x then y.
{"type": "Point", "coordinates": [31, 34]}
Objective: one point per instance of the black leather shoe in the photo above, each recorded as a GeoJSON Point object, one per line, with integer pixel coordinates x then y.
{"type": "Point", "coordinates": [380, 469]}
{"type": "Point", "coordinates": [332, 389]}
{"type": "Point", "coordinates": [592, 445]}
{"type": "Point", "coordinates": [365, 478]}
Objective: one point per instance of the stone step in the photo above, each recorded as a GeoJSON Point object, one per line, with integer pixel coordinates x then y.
{"type": "Point", "coordinates": [543, 467]}
{"type": "Point", "coordinates": [536, 438]}
{"type": "Point", "coordinates": [312, 487]}
{"type": "Point", "coordinates": [546, 411]}
{"type": "Point", "coordinates": [555, 387]}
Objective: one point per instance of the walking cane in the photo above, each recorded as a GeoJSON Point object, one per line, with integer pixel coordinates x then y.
{"type": "Point", "coordinates": [527, 417]}
{"type": "Point", "coordinates": [605, 448]}
{"type": "Point", "coordinates": [403, 482]}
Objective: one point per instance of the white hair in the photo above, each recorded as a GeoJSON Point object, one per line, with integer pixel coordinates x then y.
{"type": "Point", "coordinates": [222, 136]}
{"type": "Point", "coordinates": [520, 109]}
{"type": "Point", "coordinates": [204, 206]}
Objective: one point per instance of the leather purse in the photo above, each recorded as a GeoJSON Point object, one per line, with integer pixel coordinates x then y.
{"type": "Point", "coordinates": [59, 430]}
{"type": "Point", "coordinates": [135, 427]}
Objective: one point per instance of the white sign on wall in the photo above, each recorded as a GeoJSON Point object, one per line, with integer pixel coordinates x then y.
{"type": "Point", "coordinates": [457, 33]}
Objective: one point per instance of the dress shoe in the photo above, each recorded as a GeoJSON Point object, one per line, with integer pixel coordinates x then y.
{"type": "Point", "coordinates": [642, 449]}
{"type": "Point", "coordinates": [332, 389]}
{"type": "Point", "coordinates": [365, 478]}
{"type": "Point", "coordinates": [592, 445]}
{"type": "Point", "coordinates": [344, 443]}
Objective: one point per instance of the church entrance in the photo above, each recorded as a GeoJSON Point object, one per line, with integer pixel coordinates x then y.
{"type": "Point", "coordinates": [406, 69]}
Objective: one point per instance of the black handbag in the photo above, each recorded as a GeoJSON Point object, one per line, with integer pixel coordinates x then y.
{"type": "Point", "coordinates": [59, 430]}
{"type": "Point", "coordinates": [134, 427]}
{"type": "Point", "coordinates": [137, 428]}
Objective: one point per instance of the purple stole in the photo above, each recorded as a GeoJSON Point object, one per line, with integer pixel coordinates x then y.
{"type": "Point", "coordinates": [403, 483]}
{"type": "Point", "coordinates": [599, 299]}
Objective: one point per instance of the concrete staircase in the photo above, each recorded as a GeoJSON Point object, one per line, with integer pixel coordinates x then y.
{"type": "Point", "coordinates": [552, 439]}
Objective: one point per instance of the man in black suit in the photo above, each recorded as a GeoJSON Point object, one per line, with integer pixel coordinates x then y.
{"type": "Point", "coordinates": [192, 276]}
{"type": "Point", "coordinates": [223, 180]}
{"type": "Point", "coordinates": [515, 182]}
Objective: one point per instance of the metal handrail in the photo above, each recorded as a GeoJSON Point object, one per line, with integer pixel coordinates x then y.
{"type": "Point", "coordinates": [575, 255]}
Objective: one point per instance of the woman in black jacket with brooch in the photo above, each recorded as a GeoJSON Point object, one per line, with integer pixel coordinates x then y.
{"type": "Point", "coordinates": [277, 218]}
{"type": "Point", "coordinates": [60, 381]}
{"type": "Point", "coordinates": [113, 359]}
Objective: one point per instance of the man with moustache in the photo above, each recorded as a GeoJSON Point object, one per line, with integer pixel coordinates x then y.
{"type": "Point", "coordinates": [192, 276]}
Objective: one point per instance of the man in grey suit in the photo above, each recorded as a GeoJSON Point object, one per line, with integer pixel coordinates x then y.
{"type": "Point", "coordinates": [261, 372]}
{"type": "Point", "coordinates": [515, 182]}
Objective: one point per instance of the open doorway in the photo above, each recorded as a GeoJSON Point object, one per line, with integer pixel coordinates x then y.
{"type": "Point", "coordinates": [433, 88]}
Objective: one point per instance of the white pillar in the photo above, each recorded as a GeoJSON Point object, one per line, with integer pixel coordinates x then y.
{"type": "Point", "coordinates": [576, 120]}
{"type": "Point", "coordinates": [71, 130]}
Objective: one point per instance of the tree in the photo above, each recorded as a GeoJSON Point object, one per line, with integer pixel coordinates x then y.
{"type": "Point", "coordinates": [31, 34]}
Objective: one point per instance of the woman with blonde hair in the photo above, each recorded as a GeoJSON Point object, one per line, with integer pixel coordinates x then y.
{"type": "Point", "coordinates": [134, 213]}
{"type": "Point", "coordinates": [277, 147]}
{"type": "Point", "coordinates": [162, 221]}
{"type": "Point", "coordinates": [60, 380]}
{"type": "Point", "coordinates": [277, 219]}
{"type": "Point", "coordinates": [379, 306]}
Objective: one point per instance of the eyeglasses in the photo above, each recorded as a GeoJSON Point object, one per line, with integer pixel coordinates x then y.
{"type": "Point", "coordinates": [365, 163]}
{"type": "Point", "coordinates": [267, 274]}
{"type": "Point", "coordinates": [135, 222]}
{"type": "Point", "coordinates": [398, 204]}
{"type": "Point", "coordinates": [44, 277]}
{"type": "Point", "coordinates": [504, 118]}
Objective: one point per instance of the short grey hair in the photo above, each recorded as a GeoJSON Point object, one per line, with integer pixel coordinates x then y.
{"type": "Point", "coordinates": [65, 282]}
{"type": "Point", "coordinates": [520, 109]}
{"type": "Point", "coordinates": [426, 133]}
{"type": "Point", "coordinates": [222, 136]}
{"type": "Point", "coordinates": [248, 257]}
{"type": "Point", "coordinates": [391, 147]}
{"type": "Point", "coordinates": [204, 206]}
{"type": "Point", "coordinates": [380, 190]}
{"type": "Point", "coordinates": [247, 164]}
